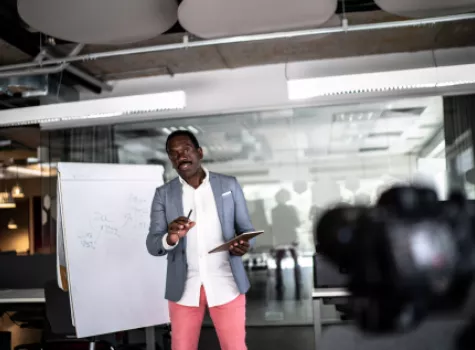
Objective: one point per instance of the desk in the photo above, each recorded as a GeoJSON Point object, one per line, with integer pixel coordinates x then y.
{"type": "Point", "coordinates": [37, 296]}
{"type": "Point", "coordinates": [317, 295]}
{"type": "Point", "coordinates": [22, 296]}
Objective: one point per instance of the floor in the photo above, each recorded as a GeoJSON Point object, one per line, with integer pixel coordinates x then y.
{"type": "Point", "coordinates": [276, 318]}
{"type": "Point", "coordinates": [288, 306]}
{"type": "Point", "coordinates": [272, 338]}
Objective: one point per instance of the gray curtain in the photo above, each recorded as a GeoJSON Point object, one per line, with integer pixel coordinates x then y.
{"type": "Point", "coordinates": [459, 130]}
{"type": "Point", "coordinates": [94, 144]}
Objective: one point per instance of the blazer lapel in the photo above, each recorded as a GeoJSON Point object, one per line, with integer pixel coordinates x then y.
{"type": "Point", "coordinates": [217, 192]}
{"type": "Point", "coordinates": [176, 197]}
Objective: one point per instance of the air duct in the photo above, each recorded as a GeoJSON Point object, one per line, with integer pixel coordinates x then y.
{"type": "Point", "coordinates": [36, 82]}
{"type": "Point", "coordinates": [43, 87]}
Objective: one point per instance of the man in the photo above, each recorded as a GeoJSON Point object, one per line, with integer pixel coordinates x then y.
{"type": "Point", "coordinates": [196, 279]}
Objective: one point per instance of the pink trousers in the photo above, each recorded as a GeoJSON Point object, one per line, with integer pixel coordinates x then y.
{"type": "Point", "coordinates": [229, 321]}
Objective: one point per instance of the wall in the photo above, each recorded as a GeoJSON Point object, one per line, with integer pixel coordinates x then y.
{"type": "Point", "coordinates": [18, 239]}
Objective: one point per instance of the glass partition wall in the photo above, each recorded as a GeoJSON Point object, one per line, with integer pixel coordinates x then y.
{"type": "Point", "coordinates": [291, 164]}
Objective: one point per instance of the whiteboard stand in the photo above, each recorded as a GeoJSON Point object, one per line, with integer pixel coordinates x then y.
{"type": "Point", "coordinates": [150, 338]}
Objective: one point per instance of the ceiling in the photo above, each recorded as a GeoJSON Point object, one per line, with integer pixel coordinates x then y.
{"type": "Point", "coordinates": [18, 43]}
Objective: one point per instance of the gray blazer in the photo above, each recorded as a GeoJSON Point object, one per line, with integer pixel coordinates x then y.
{"type": "Point", "coordinates": [167, 205]}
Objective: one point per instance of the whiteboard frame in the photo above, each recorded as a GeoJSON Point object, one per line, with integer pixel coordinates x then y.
{"type": "Point", "coordinates": [61, 230]}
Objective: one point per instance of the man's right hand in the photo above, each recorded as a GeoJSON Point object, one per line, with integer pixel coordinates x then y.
{"type": "Point", "coordinates": [177, 229]}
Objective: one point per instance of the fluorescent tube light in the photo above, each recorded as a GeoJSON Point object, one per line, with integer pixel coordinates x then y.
{"type": "Point", "coordinates": [32, 170]}
{"type": "Point", "coordinates": [93, 109]}
{"type": "Point", "coordinates": [408, 79]}
{"type": "Point", "coordinates": [171, 129]}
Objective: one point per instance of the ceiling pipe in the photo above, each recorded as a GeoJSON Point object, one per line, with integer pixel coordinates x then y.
{"type": "Point", "coordinates": [75, 51]}
{"type": "Point", "coordinates": [186, 44]}
{"type": "Point", "coordinates": [32, 72]}
{"type": "Point", "coordinates": [38, 61]}
{"type": "Point", "coordinates": [89, 78]}
{"type": "Point", "coordinates": [81, 74]}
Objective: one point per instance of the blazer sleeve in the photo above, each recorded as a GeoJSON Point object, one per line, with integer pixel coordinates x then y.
{"type": "Point", "coordinates": [242, 220]}
{"type": "Point", "coordinates": [158, 226]}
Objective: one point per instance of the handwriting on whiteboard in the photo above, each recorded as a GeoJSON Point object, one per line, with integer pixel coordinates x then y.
{"type": "Point", "coordinates": [107, 224]}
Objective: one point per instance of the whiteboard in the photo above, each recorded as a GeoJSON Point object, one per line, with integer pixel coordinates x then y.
{"type": "Point", "coordinates": [114, 283]}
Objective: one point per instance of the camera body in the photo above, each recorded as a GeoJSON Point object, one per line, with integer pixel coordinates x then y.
{"type": "Point", "coordinates": [406, 257]}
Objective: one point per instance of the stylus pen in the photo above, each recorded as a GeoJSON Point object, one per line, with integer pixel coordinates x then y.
{"type": "Point", "coordinates": [189, 214]}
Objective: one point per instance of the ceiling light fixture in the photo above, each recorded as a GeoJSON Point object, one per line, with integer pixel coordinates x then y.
{"type": "Point", "coordinates": [17, 192]}
{"type": "Point", "coordinates": [12, 225]}
{"type": "Point", "coordinates": [193, 129]}
{"type": "Point", "coordinates": [6, 201]}
{"type": "Point", "coordinates": [31, 170]}
{"type": "Point", "coordinates": [32, 160]}
{"type": "Point", "coordinates": [351, 117]}
{"type": "Point", "coordinates": [171, 129]}
{"type": "Point", "coordinates": [93, 109]}
{"type": "Point", "coordinates": [409, 79]}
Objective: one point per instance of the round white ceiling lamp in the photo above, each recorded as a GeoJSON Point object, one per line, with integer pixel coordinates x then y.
{"type": "Point", "coordinates": [426, 8]}
{"type": "Point", "coordinates": [224, 18]}
{"type": "Point", "coordinates": [100, 21]}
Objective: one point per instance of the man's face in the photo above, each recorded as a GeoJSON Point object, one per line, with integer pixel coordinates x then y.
{"type": "Point", "coordinates": [185, 157]}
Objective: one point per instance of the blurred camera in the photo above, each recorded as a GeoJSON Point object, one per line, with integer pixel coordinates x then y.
{"type": "Point", "coordinates": [408, 255]}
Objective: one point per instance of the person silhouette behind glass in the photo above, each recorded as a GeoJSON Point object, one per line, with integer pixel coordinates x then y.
{"type": "Point", "coordinates": [259, 219]}
{"type": "Point", "coordinates": [285, 222]}
{"type": "Point", "coordinates": [324, 194]}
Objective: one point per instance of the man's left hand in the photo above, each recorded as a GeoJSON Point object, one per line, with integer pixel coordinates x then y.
{"type": "Point", "coordinates": [239, 248]}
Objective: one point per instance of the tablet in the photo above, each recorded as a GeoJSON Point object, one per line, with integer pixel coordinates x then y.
{"type": "Point", "coordinates": [242, 237]}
